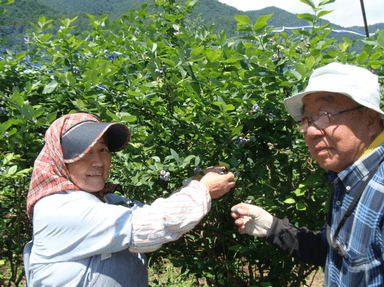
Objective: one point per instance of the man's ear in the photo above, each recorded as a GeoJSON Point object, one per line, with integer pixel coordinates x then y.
{"type": "Point", "coordinates": [375, 126]}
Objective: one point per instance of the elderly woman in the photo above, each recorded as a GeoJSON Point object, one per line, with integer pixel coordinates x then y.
{"type": "Point", "coordinates": [82, 233]}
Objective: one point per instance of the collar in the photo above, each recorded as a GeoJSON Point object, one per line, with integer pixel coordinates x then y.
{"type": "Point", "coordinates": [378, 141]}
{"type": "Point", "coordinates": [359, 170]}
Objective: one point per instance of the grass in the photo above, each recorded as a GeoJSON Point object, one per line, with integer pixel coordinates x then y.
{"type": "Point", "coordinates": [165, 274]}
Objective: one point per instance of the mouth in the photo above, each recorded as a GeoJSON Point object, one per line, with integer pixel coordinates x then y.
{"type": "Point", "coordinates": [95, 175]}
{"type": "Point", "coordinates": [322, 150]}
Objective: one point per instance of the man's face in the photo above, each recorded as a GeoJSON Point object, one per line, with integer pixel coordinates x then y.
{"type": "Point", "coordinates": [91, 171]}
{"type": "Point", "coordinates": [347, 137]}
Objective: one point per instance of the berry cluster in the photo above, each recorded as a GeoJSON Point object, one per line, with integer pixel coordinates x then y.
{"type": "Point", "coordinates": [159, 71]}
{"type": "Point", "coordinates": [256, 108]}
{"type": "Point", "coordinates": [299, 49]}
{"type": "Point", "coordinates": [164, 175]}
{"type": "Point", "coordinates": [240, 141]}
{"type": "Point", "coordinates": [3, 111]}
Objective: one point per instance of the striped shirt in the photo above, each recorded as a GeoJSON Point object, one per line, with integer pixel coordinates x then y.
{"type": "Point", "coordinates": [361, 236]}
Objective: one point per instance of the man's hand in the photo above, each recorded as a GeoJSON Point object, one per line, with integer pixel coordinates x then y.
{"type": "Point", "coordinates": [218, 184]}
{"type": "Point", "coordinates": [251, 219]}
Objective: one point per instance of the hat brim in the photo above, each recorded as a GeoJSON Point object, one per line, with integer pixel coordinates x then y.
{"type": "Point", "coordinates": [82, 138]}
{"type": "Point", "coordinates": [294, 104]}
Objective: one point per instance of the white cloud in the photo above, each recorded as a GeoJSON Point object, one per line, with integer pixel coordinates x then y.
{"type": "Point", "coordinates": [346, 12]}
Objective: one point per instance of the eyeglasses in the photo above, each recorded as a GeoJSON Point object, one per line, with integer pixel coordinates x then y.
{"type": "Point", "coordinates": [320, 119]}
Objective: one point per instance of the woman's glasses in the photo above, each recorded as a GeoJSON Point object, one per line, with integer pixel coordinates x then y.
{"type": "Point", "coordinates": [320, 119]}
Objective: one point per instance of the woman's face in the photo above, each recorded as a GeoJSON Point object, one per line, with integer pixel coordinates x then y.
{"type": "Point", "coordinates": [91, 171]}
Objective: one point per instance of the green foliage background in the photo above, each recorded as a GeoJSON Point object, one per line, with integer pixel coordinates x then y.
{"type": "Point", "coordinates": [188, 95]}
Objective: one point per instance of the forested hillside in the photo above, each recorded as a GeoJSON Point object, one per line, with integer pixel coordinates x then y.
{"type": "Point", "coordinates": [16, 21]}
{"type": "Point", "coordinates": [94, 6]}
{"type": "Point", "coordinates": [18, 17]}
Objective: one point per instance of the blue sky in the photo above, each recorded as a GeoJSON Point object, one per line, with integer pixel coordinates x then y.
{"type": "Point", "coordinates": [346, 13]}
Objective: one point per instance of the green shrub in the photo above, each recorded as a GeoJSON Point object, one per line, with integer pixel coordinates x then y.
{"type": "Point", "coordinates": [192, 99]}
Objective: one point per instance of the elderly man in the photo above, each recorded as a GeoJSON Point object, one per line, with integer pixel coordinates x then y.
{"type": "Point", "coordinates": [340, 119]}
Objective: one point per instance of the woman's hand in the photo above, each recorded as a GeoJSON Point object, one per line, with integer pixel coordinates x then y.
{"type": "Point", "coordinates": [216, 183]}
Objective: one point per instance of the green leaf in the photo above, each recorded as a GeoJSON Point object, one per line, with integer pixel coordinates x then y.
{"type": "Point", "coordinates": [151, 84]}
{"type": "Point", "coordinates": [129, 119]}
{"type": "Point", "coordinates": [212, 56]}
{"type": "Point", "coordinates": [197, 51]}
{"type": "Point", "coordinates": [302, 32]}
{"type": "Point", "coordinates": [343, 57]}
{"type": "Point", "coordinates": [17, 99]}
{"type": "Point", "coordinates": [301, 206]}
{"type": "Point", "coordinates": [236, 131]}
{"type": "Point", "coordinates": [222, 37]}
{"type": "Point", "coordinates": [229, 107]}
{"type": "Point", "coordinates": [323, 13]}
{"type": "Point", "coordinates": [12, 170]}
{"type": "Point", "coordinates": [234, 162]}
{"type": "Point", "coordinates": [134, 93]}
{"type": "Point", "coordinates": [264, 18]}
{"type": "Point", "coordinates": [51, 117]}
{"type": "Point", "coordinates": [80, 104]}
{"type": "Point", "coordinates": [299, 191]}
{"type": "Point", "coordinates": [45, 38]}
{"type": "Point", "coordinates": [244, 29]}
{"type": "Point", "coordinates": [168, 61]}
{"type": "Point", "coordinates": [310, 3]}
{"type": "Point", "coordinates": [188, 159]}
{"type": "Point", "coordinates": [25, 112]}
{"type": "Point", "coordinates": [234, 58]}
{"type": "Point", "coordinates": [325, 2]}
{"type": "Point", "coordinates": [50, 87]}
{"type": "Point", "coordinates": [70, 79]}
{"type": "Point", "coordinates": [227, 166]}
{"type": "Point", "coordinates": [300, 68]}
{"type": "Point", "coordinates": [380, 38]}
{"type": "Point", "coordinates": [362, 57]}
{"type": "Point", "coordinates": [305, 16]}
{"type": "Point", "coordinates": [197, 160]}
{"type": "Point", "coordinates": [243, 20]}
{"type": "Point", "coordinates": [297, 75]}
{"type": "Point", "coordinates": [259, 26]}
{"type": "Point", "coordinates": [289, 201]}
{"type": "Point", "coordinates": [38, 112]}
{"type": "Point", "coordinates": [154, 47]}
{"type": "Point", "coordinates": [175, 156]}
{"type": "Point", "coordinates": [113, 116]}
{"type": "Point", "coordinates": [41, 20]}
{"type": "Point", "coordinates": [312, 180]}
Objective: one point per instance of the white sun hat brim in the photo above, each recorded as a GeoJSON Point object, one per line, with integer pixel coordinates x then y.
{"type": "Point", "coordinates": [357, 83]}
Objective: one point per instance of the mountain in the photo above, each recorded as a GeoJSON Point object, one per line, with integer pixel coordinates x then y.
{"type": "Point", "coordinates": [94, 6]}
{"type": "Point", "coordinates": [15, 22]}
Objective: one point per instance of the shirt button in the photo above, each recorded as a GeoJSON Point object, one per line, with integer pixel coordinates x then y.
{"type": "Point", "coordinates": [338, 202]}
{"type": "Point", "coordinates": [348, 188]}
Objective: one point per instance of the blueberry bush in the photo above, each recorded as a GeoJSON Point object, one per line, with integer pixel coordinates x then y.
{"type": "Point", "coordinates": [192, 99]}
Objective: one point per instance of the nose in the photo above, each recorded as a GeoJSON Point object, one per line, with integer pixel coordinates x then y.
{"type": "Point", "coordinates": [314, 131]}
{"type": "Point", "coordinates": [97, 159]}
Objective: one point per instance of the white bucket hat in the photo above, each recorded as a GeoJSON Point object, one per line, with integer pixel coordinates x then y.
{"type": "Point", "coordinates": [357, 83]}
